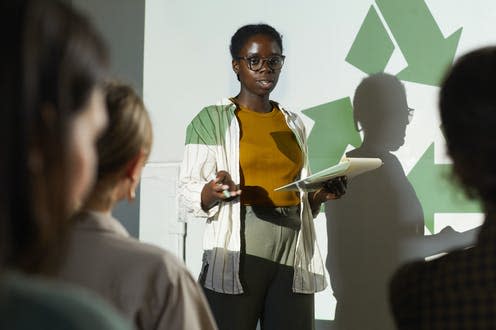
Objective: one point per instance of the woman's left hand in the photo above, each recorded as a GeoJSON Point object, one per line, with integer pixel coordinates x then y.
{"type": "Point", "coordinates": [331, 189]}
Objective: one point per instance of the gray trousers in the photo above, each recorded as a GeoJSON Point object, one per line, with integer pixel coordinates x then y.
{"type": "Point", "coordinates": [267, 253]}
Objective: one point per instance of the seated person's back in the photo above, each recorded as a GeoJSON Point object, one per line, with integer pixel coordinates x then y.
{"type": "Point", "coordinates": [146, 283]}
{"type": "Point", "coordinates": [29, 303]}
{"type": "Point", "coordinates": [457, 291]}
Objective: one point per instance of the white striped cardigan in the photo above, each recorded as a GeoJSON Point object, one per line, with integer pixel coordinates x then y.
{"type": "Point", "coordinates": [212, 144]}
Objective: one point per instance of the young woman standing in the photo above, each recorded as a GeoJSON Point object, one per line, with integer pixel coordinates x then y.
{"type": "Point", "coordinates": [261, 260]}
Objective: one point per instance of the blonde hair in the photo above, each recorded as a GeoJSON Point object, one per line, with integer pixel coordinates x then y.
{"type": "Point", "coordinates": [129, 129]}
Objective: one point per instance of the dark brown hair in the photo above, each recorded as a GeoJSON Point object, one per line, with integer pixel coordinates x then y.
{"type": "Point", "coordinates": [468, 116]}
{"type": "Point", "coordinates": [245, 32]}
{"type": "Point", "coordinates": [52, 60]}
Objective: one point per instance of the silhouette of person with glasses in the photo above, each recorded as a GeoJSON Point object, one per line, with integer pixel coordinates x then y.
{"type": "Point", "coordinates": [379, 223]}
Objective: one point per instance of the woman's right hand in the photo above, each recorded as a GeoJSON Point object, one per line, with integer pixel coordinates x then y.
{"type": "Point", "coordinates": [222, 188]}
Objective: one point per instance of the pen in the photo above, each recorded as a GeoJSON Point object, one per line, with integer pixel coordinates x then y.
{"type": "Point", "coordinates": [225, 192]}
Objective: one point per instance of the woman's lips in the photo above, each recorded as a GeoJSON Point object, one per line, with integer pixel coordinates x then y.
{"type": "Point", "coordinates": [266, 84]}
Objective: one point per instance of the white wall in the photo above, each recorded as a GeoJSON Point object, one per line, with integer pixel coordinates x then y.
{"type": "Point", "coordinates": [124, 35]}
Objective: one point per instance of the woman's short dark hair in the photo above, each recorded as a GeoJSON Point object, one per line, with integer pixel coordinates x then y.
{"type": "Point", "coordinates": [468, 116]}
{"type": "Point", "coordinates": [52, 60]}
{"type": "Point", "coordinates": [244, 33]}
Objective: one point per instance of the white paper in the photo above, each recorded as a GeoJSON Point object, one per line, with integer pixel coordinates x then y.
{"type": "Point", "coordinates": [349, 167]}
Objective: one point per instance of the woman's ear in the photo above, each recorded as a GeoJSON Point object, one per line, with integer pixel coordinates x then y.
{"type": "Point", "coordinates": [133, 172]}
{"type": "Point", "coordinates": [235, 66]}
{"type": "Point", "coordinates": [134, 166]}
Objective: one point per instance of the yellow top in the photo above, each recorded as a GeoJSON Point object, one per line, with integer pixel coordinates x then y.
{"type": "Point", "coordinates": [269, 157]}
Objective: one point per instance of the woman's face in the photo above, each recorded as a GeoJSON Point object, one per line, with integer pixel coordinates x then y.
{"type": "Point", "coordinates": [85, 130]}
{"type": "Point", "coordinates": [264, 80]}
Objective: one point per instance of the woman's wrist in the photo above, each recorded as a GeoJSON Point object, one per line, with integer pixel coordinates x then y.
{"type": "Point", "coordinates": [207, 202]}
{"type": "Point", "coordinates": [314, 204]}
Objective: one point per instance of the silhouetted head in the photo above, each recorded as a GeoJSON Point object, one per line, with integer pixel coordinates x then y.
{"type": "Point", "coordinates": [381, 111]}
{"type": "Point", "coordinates": [468, 116]}
{"type": "Point", "coordinates": [53, 63]}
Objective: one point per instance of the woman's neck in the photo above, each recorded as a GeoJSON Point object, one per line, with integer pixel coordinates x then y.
{"type": "Point", "coordinates": [254, 102]}
{"type": "Point", "coordinates": [102, 199]}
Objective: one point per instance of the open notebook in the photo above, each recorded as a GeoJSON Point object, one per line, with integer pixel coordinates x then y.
{"type": "Point", "coordinates": [350, 167]}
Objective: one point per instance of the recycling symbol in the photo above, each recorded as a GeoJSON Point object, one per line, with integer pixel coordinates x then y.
{"type": "Point", "coordinates": [408, 27]}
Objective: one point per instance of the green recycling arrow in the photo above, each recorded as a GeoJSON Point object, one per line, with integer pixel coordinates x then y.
{"type": "Point", "coordinates": [422, 43]}
{"type": "Point", "coordinates": [372, 47]}
{"type": "Point", "coordinates": [332, 132]}
{"type": "Point", "coordinates": [435, 190]}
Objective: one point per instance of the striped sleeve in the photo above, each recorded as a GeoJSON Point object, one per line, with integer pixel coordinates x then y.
{"type": "Point", "coordinates": [205, 140]}
{"type": "Point", "coordinates": [197, 168]}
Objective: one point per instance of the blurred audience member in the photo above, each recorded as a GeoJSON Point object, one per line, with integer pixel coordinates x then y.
{"type": "Point", "coordinates": [52, 113]}
{"type": "Point", "coordinates": [146, 283]}
{"type": "Point", "coordinates": [457, 291]}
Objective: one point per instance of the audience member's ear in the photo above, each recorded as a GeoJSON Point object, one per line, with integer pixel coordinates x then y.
{"type": "Point", "coordinates": [133, 168]}
{"type": "Point", "coordinates": [133, 172]}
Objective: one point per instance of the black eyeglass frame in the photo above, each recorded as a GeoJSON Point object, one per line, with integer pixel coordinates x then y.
{"type": "Point", "coordinates": [410, 114]}
{"type": "Point", "coordinates": [262, 61]}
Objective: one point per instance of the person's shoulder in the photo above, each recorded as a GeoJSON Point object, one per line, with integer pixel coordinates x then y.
{"type": "Point", "coordinates": [420, 277]}
{"type": "Point", "coordinates": [213, 115]}
{"type": "Point", "coordinates": [122, 249]}
{"type": "Point", "coordinates": [283, 108]}
{"type": "Point", "coordinates": [163, 272]}
{"type": "Point", "coordinates": [407, 275]}
{"type": "Point", "coordinates": [292, 115]}
{"type": "Point", "coordinates": [43, 304]}
{"type": "Point", "coordinates": [423, 291]}
{"type": "Point", "coordinates": [145, 255]}
{"type": "Point", "coordinates": [166, 262]}
{"type": "Point", "coordinates": [221, 106]}
{"type": "Point", "coordinates": [406, 289]}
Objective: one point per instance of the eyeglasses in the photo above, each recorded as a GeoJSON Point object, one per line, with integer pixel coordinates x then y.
{"type": "Point", "coordinates": [409, 118]}
{"type": "Point", "coordinates": [255, 63]}
{"type": "Point", "coordinates": [410, 114]}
